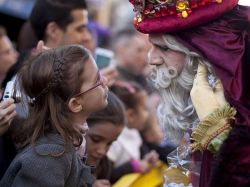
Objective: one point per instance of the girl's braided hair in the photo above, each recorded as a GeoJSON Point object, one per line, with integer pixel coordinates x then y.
{"type": "Point", "coordinates": [51, 78]}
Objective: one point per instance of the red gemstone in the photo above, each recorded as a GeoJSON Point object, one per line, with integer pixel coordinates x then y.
{"type": "Point", "coordinates": [164, 11]}
{"type": "Point", "coordinates": [171, 10]}
{"type": "Point", "coordinates": [132, 1]}
{"type": "Point", "coordinates": [202, 2]}
{"type": "Point", "coordinates": [179, 14]}
{"type": "Point", "coordinates": [193, 3]}
{"type": "Point", "coordinates": [208, 1]}
{"type": "Point", "coordinates": [157, 13]}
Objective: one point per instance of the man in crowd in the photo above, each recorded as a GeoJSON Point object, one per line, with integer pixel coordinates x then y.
{"type": "Point", "coordinates": [131, 49]}
{"type": "Point", "coordinates": [8, 54]}
{"type": "Point", "coordinates": [202, 47]}
{"type": "Point", "coordinates": [8, 57]}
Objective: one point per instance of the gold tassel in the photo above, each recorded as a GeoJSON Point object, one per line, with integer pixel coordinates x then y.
{"type": "Point", "coordinates": [211, 126]}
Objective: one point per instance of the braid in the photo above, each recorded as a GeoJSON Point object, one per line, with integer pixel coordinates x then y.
{"type": "Point", "coordinates": [56, 79]}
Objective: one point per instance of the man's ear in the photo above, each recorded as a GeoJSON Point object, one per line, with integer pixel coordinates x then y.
{"type": "Point", "coordinates": [74, 105]}
{"type": "Point", "coordinates": [53, 31]}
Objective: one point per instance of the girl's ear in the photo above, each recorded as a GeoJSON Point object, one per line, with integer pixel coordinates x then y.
{"type": "Point", "coordinates": [75, 105]}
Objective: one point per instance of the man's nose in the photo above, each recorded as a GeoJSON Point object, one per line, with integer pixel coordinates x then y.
{"type": "Point", "coordinates": [157, 61]}
{"type": "Point", "coordinates": [153, 59]}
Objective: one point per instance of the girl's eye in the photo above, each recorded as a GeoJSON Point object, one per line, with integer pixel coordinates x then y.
{"type": "Point", "coordinates": [94, 139]}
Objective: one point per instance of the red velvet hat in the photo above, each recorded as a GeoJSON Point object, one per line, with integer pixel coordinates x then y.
{"type": "Point", "coordinates": [219, 32]}
{"type": "Point", "coordinates": [154, 16]}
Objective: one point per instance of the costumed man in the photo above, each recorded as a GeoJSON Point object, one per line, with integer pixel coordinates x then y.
{"type": "Point", "coordinates": [201, 50]}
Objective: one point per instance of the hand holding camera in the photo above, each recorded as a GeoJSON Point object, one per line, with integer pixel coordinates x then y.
{"type": "Point", "coordinates": [7, 113]}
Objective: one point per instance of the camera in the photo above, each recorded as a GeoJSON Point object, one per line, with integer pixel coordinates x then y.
{"type": "Point", "coordinates": [103, 57]}
{"type": "Point", "coordinates": [11, 92]}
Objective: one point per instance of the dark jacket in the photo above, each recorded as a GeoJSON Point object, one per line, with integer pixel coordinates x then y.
{"type": "Point", "coordinates": [37, 167]}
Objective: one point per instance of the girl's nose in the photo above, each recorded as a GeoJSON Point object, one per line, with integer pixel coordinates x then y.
{"type": "Point", "coordinates": [104, 80]}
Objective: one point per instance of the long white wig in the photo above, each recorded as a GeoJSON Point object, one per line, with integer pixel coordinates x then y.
{"type": "Point", "coordinates": [176, 112]}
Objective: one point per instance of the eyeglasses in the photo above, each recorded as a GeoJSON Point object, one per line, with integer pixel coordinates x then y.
{"type": "Point", "coordinates": [99, 82]}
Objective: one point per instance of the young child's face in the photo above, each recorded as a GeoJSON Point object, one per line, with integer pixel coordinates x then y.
{"type": "Point", "coordinates": [93, 97]}
{"type": "Point", "coordinates": [99, 138]}
{"type": "Point", "coordinates": [140, 113]}
{"type": "Point", "coordinates": [154, 133]}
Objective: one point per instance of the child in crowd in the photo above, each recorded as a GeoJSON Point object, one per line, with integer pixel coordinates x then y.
{"type": "Point", "coordinates": [153, 138]}
{"type": "Point", "coordinates": [125, 153]}
{"type": "Point", "coordinates": [104, 127]}
{"type": "Point", "coordinates": [64, 87]}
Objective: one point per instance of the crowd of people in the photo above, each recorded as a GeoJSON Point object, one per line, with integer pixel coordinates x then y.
{"type": "Point", "coordinates": [66, 122]}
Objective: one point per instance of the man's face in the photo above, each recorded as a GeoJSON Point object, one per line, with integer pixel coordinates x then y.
{"type": "Point", "coordinates": [160, 54]}
{"type": "Point", "coordinates": [77, 32]}
{"type": "Point", "coordinates": [135, 54]}
{"type": "Point", "coordinates": [8, 55]}
{"type": "Point", "coordinates": [172, 76]}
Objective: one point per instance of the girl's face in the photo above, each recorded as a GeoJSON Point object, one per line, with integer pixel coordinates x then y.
{"type": "Point", "coordinates": [99, 138]}
{"type": "Point", "coordinates": [138, 116]}
{"type": "Point", "coordinates": [94, 90]}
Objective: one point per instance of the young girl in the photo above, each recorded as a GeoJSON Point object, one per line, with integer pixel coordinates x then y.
{"type": "Point", "coordinates": [104, 127]}
{"type": "Point", "coordinates": [65, 87]}
{"type": "Point", "coordinates": [125, 153]}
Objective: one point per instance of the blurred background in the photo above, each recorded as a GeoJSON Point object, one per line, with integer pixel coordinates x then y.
{"type": "Point", "coordinates": [107, 13]}
{"type": "Point", "coordinates": [111, 14]}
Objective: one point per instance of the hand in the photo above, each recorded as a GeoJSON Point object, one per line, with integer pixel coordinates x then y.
{"type": "Point", "coordinates": [40, 47]}
{"type": "Point", "coordinates": [152, 158]}
{"type": "Point", "coordinates": [149, 161]}
{"type": "Point", "coordinates": [204, 98]}
{"type": "Point", "coordinates": [7, 113]}
{"type": "Point", "coordinates": [101, 183]}
{"type": "Point", "coordinates": [110, 73]}
{"type": "Point", "coordinates": [144, 166]}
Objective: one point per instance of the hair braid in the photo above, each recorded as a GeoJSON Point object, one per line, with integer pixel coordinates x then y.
{"type": "Point", "coordinates": [56, 79]}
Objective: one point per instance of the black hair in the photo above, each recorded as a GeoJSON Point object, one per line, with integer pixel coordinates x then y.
{"type": "Point", "coordinates": [123, 34]}
{"type": "Point", "coordinates": [58, 11]}
{"type": "Point", "coordinates": [128, 93]}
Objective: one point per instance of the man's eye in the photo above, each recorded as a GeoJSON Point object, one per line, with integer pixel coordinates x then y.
{"type": "Point", "coordinates": [163, 48]}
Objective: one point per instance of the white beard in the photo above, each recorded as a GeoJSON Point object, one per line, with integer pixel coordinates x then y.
{"type": "Point", "coordinates": [175, 112]}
